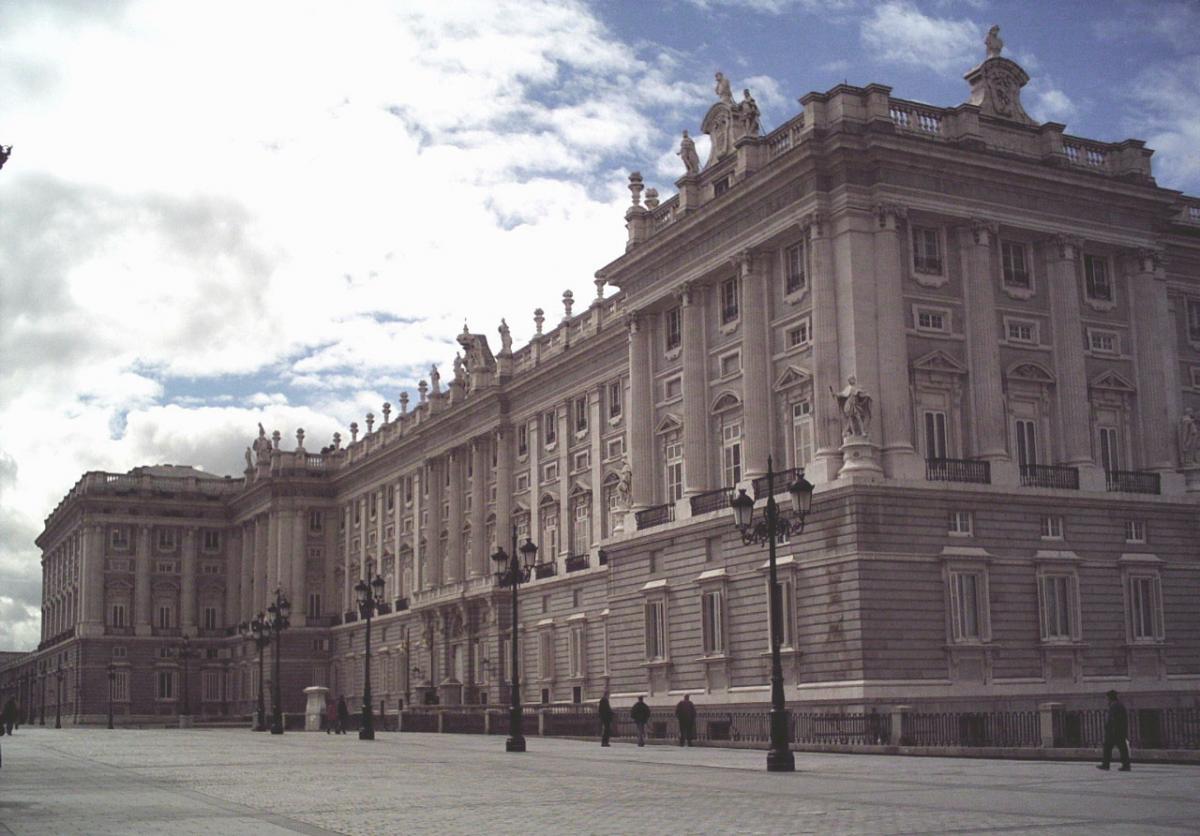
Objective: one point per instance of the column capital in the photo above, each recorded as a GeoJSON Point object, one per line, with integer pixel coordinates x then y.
{"type": "Point", "coordinates": [1065, 247]}
{"type": "Point", "coordinates": [635, 322]}
{"type": "Point", "coordinates": [749, 262]}
{"type": "Point", "coordinates": [1143, 259]}
{"type": "Point", "coordinates": [815, 225]}
{"type": "Point", "coordinates": [689, 293]}
{"type": "Point", "coordinates": [983, 231]}
{"type": "Point", "coordinates": [891, 216]}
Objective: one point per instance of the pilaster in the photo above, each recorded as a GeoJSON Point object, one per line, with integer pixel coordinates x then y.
{"type": "Point", "coordinates": [298, 594]}
{"type": "Point", "coordinates": [477, 559]}
{"type": "Point", "coordinates": [977, 241]}
{"type": "Point", "coordinates": [247, 569]}
{"type": "Point", "coordinates": [92, 572]}
{"type": "Point", "coordinates": [1074, 408]}
{"type": "Point", "coordinates": [641, 412]}
{"type": "Point", "coordinates": [1153, 358]}
{"type": "Point", "coordinates": [261, 530]}
{"type": "Point", "coordinates": [695, 390]}
{"type": "Point", "coordinates": [187, 581]}
{"type": "Point", "coordinates": [435, 561]}
{"type": "Point", "coordinates": [756, 357]}
{"type": "Point", "coordinates": [231, 553]}
{"type": "Point", "coordinates": [827, 458]}
{"type": "Point", "coordinates": [900, 460]}
{"type": "Point", "coordinates": [141, 583]}
{"type": "Point", "coordinates": [504, 484]}
{"type": "Point", "coordinates": [454, 553]}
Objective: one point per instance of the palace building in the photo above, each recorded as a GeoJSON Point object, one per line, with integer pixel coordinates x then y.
{"type": "Point", "coordinates": [976, 335]}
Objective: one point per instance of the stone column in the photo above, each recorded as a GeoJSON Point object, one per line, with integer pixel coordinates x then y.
{"type": "Point", "coordinates": [756, 360]}
{"type": "Point", "coordinates": [92, 573]}
{"type": "Point", "coordinates": [298, 564]}
{"type": "Point", "coordinates": [827, 457]}
{"type": "Point", "coordinates": [595, 419]}
{"type": "Point", "coordinates": [1151, 347]}
{"type": "Point", "coordinates": [261, 528]}
{"type": "Point", "coordinates": [900, 460]}
{"type": "Point", "coordinates": [1074, 407]}
{"type": "Point", "coordinates": [187, 581]}
{"type": "Point", "coordinates": [454, 553]}
{"type": "Point", "coordinates": [435, 561]}
{"type": "Point", "coordinates": [641, 412]}
{"type": "Point", "coordinates": [988, 415]}
{"type": "Point", "coordinates": [420, 570]}
{"type": "Point", "coordinates": [477, 559]}
{"type": "Point", "coordinates": [535, 479]}
{"type": "Point", "coordinates": [141, 583]}
{"type": "Point", "coordinates": [231, 548]}
{"type": "Point", "coordinates": [504, 486]}
{"type": "Point", "coordinates": [273, 527]}
{"type": "Point", "coordinates": [695, 391]}
{"type": "Point", "coordinates": [248, 576]}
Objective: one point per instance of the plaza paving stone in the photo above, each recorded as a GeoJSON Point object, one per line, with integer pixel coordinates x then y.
{"type": "Point", "coordinates": [96, 781]}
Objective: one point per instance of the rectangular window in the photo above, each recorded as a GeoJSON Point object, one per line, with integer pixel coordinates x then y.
{"type": "Point", "coordinates": [799, 334]}
{"type": "Point", "coordinates": [1145, 608]}
{"type": "Point", "coordinates": [927, 250]}
{"type": "Point", "coordinates": [1014, 265]}
{"type": "Point", "coordinates": [164, 616]}
{"type": "Point", "coordinates": [580, 461]}
{"type": "Point", "coordinates": [1103, 342]}
{"type": "Point", "coordinates": [116, 615]}
{"type": "Point", "coordinates": [212, 541]}
{"type": "Point", "coordinates": [119, 651]}
{"type": "Point", "coordinates": [966, 589]}
{"type": "Point", "coordinates": [210, 686]}
{"type": "Point", "coordinates": [581, 527]}
{"type": "Point", "coordinates": [961, 523]}
{"type": "Point", "coordinates": [672, 329]}
{"type": "Point", "coordinates": [523, 440]}
{"type": "Point", "coordinates": [674, 464]}
{"type": "Point", "coordinates": [787, 611]}
{"type": "Point", "coordinates": [1026, 442]}
{"type": "Point", "coordinates": [316, 521]}
{"type": "Point", "coordinates": [614, 399]}
{"type": "Point", "coordinates": [210, 618]}
{"type": "Point", "coordinates": [545, 655]}
{"type": "Point", "coordinates": [119, 537]}
{"type": "Point", "coordinates": [672, 388]}
{"type": "Point", "coordinates": [932, 319]}
{"type": "Point", "coordinates": [549, 471]}
{"type": "Point", "coordinates": [166, 539]}
{"type": "Point", "coordinates": [1097, 283]}
{"type": "Point", "coordinates": [1110, 458]}
{"type": "Point", "coordinates": [795, 277]}
{"type": "Point", "coordinates": [710, 623]}
{"type": "Point", "coordinates": [314, 604]}
{"type": "Point", "coordinates": [371, 503]}
{"type": "Point", "coordinates": [577, 648]}
{"type": "Point", "coordinates": [581, 414]}
{"type": "Point", "coordinates": [549, 428]}
{"type": "Point", "coordinates": [120, 686]}
{"type": "Point", "coordinates": [731, 452]}
{"type": "Point", "coordinates": [614, 448]}
{"type": "Point", "coordinates": [802, 434]}
{"type": "Point", "coordinates": [391, 497]}
{"type": "Point", "coordinates": [1052, 528]}
{"type": "Point", "coordinates": [166, 685]}
{"type": "Point", "coordinates": [1193, 319]}
{"type": "Point", "coordinates": [522, 484]}
{"type": "Point", "coordinates": [656, 636]}
{"type": "Point", "coordinates": [731, 364]}
{"type": "Point", "coordinates": [729, 301]}
{"type": "Point", "coordinates": [720, 186]}
{"type": "Point", "coordinates": [1021, 331]}
{"type": "Point", "coordinates": [935, 435]}
{"type": "Point", "coordinates": [1135, 531]}
{"type": "Point", "coordinates": [549, 533]}
{"type": "Point", "coordinates": [1057, 595]}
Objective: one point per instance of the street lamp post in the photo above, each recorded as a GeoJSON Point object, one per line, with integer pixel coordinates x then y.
{"type": "Point", "coordinates": [112, 678]}
{"type": "Point", "coordinates": [279, 612]}
{"type": "Point", "coordinates": [58, 696]}
{"type": "Point", "coordinates": [42, 687]}
{"type": "Point", "coordinates": [185, 652]}
{"type": "Point", "coordinates": [370, 601]}
{"type": "Point", "coordinates": [514, 570]}
{"type": "Point", "coordinates": [259, 631]}
{"type": "Point", "coordinates": [779, 757]}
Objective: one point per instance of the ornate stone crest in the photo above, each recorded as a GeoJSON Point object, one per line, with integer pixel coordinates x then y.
{"type": "Point", "coordinates": [996, 83]}
{"type": "Point", "coordinates": [728, 121]}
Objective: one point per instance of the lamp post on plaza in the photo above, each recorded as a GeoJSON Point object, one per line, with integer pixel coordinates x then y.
{"type": "Point", "coordinates": [42, 687]}
{"type": "Point", "coordinates": [779, 757]}
{"type": "Point", "coordinates": [112, 678]}
{"type": "Point", "coordinates": [185, 652]}
{"type": "Point", "coordinates": [514, 570]}
{"type": "Point", "coordinates": [259, 631]}
{"type": "Point", "coordinates": [370, 601]}
{"type": "Point", "coordinates": [58, 696]}
{"type": "Point", "coordinates": [278, 620]}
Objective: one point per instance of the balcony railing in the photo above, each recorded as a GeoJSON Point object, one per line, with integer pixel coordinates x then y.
{"type": "Point", "coordinates": [576, 562]}
{"type": "Point", "coordinates": [718, 500]}
{"type": "Point", "coordinates": [1133, 481]}
{"type": "Point", "coordinates": [401, 604]}
{"type": "Point", "coordinates": [349, 616]}
{"type": "Point", "coordinates": [958, 470]}
{"type": "Point", "coordinates": [1049, 476]}
{"type": "Point", "coordinates": [783, 481]}
{"type": "Point", "coordinates": [167, 631]}
{"type": "Point", "coordinates": [656, 515]}
{"type": "Point", "coordinates": [544, 570]}
{"type": "Point", "coordinates": [602, 556]}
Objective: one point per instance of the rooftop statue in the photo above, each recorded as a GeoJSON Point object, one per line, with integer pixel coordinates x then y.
{"type": "Point", "coordinates": [724, 93]}
{"type": "Point", "coordinates": [435, 380]}
{"type": "Point", "coordinates": [505, 338]}
{"type": "Point", "coordinates": [262, 446]}
{"type": "Point", "coordinates": [687, 153]}
{"type": "Point", "coordinates": [993, 43]}
{"type": "Point", "coordinates": [750, 113]}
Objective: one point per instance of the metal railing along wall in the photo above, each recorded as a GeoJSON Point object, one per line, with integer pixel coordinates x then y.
{"type": "Point", "coordinates": [1133, 481]}
{"type": "Point", "coordinates": [655, 515]}
{"type": "Point", "coordinates": [718, 500]}
{"type": "Point", "coordinates": [1049, 476]}
{"type": "Point", "coordinates": [958, 470]}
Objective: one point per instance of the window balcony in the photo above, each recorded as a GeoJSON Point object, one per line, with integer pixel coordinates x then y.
{"type": "Point", "coordinates": [167, 631]}
{"type": "Point", "coordinates": [544, 570]}
{"type": "Point", "coordinates": [718, 500]}
{"type": "Point", "coordinates": [958, 470]}
{"type": "Point", "coordinates": [401, 604]}
{"type": "Point", "coordinates": [655, 515]}
{"type": "Point", "coordinates": [783, 481]}
{"type": "Point", "coordinates": [349, 616]}
{"type": "Point", "coordinates": [1133, 481]}
{"type": "Point", "coordinates": [118, 631]}
{"type": "Point", "coordinates": [1049, 476]}
{"type": "Point", "coordinates": [577, 562]}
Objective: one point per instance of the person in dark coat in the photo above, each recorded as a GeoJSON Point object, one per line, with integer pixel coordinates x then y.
{"type": "Point", "coordinates": [685, 713]}
{"type": "Point", "coordinates": [641, 715]}
{"type": "Point", "coordinates": [1116, 732]}
{"type": "Point", "coordinates": [606, 718]}
{"type": "Point", "coordinates": [331, 715]}
{"type": "Point", "coordinates": [8, 718]}
{"type": "Point", "coordinates": [343, 715]}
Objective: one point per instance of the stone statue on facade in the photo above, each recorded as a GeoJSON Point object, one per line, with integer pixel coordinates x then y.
{"type": "Point", "coordinates": [855, 406]}
{"type": "Point", "coordinates": [435, 380]}
{"type": "Point", "coordinates": [1189, 438]}
{"type": "Point", "coordinates": [750, 113]}
{"type": "Point", "coordinates": [505, 338]}
{"type": "Point", "coordinates": [724, 93]}
{"type": "Point", "coordinates": [262, 446]}
{"type": "Point", "coordinates": [625, 484]}
{"type": "Point", "coordinates": [249, 459]}
{"type": "Point", "coordinates": [687, 153]}
{"type": "Point", "coordinates": [993, 43]}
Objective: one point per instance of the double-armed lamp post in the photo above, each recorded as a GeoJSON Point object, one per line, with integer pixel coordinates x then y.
{"type": "Point", "coordinates": [112, 681]}
{"type": "Point", "coordinates": [514, 570]}
{"type": "Point", "coordinates": [186, 653]}
{"type": "Point", "coordinates": [370, 601]}
{"type": "Point", "coordinates": [278, 613]}
{"type": "Point", "coordinates": [262, 629]}
{"type": "Point", "coordinates": [775, 526]}
{"type": "Point", "coordinates": [58, 696]}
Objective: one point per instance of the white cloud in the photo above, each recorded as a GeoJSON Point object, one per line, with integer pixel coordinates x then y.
{"type": "Point", "coordinates": [1166, 114]}
{"type": "Point", "coordinates": [1048, 103]}
{"type": "Point", "coordinates": [900, 32]}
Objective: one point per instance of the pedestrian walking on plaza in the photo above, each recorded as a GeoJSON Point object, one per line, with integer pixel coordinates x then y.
{"type": "Point", "coordinates": [330, 715]}
{"type": "Point", "coordinates": [685, 713]}
{"type": "Point", "coordinates": [641, 715]}
{"type": "Point", "coordinates": [606, 718]}
{"type": "Point", "coordinates": [1116, 732]}
{"type": "Point", "coordinates": [343, 715]}
{"type": "Point", "coordinates": [8, 718]}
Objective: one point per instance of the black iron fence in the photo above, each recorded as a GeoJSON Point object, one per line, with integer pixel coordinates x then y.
{"type": "Point", "coordinates": [1133, 481]}
{"type": "Point", "coordinates": [1049, 476]}
{"type": "Point", "coordinates": [577, 562]}
{"type": "Point", "coordinates": [958, 470]}
{"type": "Point", "coordinates": [970, 728]}
{"type": "Point", "coordinates": [656, 515]}
{"type": "Point", "coordinates": [718, 500]}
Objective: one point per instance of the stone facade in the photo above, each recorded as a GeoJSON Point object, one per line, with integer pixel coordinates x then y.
{"type": "Point", "coordinates": [1010, 517]}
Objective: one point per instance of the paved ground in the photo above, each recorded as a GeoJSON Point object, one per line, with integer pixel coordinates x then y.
{"type": "Point", "coordinates": [209, 782]}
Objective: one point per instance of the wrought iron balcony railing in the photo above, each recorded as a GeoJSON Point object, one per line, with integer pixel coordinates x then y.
{"type": "Point", "coordinates": [1133, 481]}
{"type": "Point", "coordinates": [718, 500]}
{"type": "Point", "coordinates": [1049, 476]}
{"type": "Point", "coordinates": [656, 515]}
{"type": "Point", "coordinates": [958, 470]}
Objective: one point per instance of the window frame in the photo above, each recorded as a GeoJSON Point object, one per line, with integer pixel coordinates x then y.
{"type": "Point", "coordinates": [1008, 272]}
{"type": "Point", "coordinates": [730, 299]}
{"type": "Point", "coordinates": [943, 314]}
{"type": "Point", "coordinates": [921, 262]}
{"type": "Point", "coordinates": [955, 575]}
{"type": "Point", "coordinates": [672, 329]}
{"type": "Point", "coordinates": [1093, 283]}
{"type": "Point", "coordinates": [1066, 601]}
{"type": "Point", "coordinates": [795, 269]}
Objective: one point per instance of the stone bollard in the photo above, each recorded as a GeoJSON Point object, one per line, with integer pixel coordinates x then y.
{"type": "Point", "coordinates": [898, 712]}
{"type": "Point", "coordinates": [1046, 722]}
{"type": "Point", "coordinates": [314, 708]}
{"type": "Point", "coordinates": [400, 720]}
{"type": "Point", "coordinates": [440, 716]}
{"type": "Point", "coordinates": [487, 721]}
{"type": "Point", "coordinates": [541, 712]}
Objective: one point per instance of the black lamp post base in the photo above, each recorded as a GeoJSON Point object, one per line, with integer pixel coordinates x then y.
{"type": "Point", "coordinates": [781, 761]}
{"type": "Point", "coordinates": [779, 756]}
{"type": "Point", "coordinates": [514, 744]}
{"type": "Point", "coordinates": [277, 725]}
{"type": "Point", "coordinates": [260, 723]}
{"type": "Point", "coordinates": [366, 734]}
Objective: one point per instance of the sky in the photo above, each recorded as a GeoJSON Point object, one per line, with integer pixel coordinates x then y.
{"type": "Point", "coordinates": [224, 212]}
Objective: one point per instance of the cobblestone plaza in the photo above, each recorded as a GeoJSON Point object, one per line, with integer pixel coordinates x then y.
{"type": "Point", "coordinates": [230, 781]}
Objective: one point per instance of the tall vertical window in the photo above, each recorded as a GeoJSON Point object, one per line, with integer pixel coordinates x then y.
{"type": "Point", "coordinates": [581, 414]}
{"type": "Point", "coordinates": [710, 622]}
{"type": "Point", "coordinates": [927, 250]}
{"type": "Point", "coordinates": [522, 440]}
{"type": "Point", "coordinates": [549, 427]}
{"type": "Point", "coordinates": [545, 655]}
{"type": "Point", "coordinates": [614, 399]}
{"type": "Point", "coordinates": [729, 301]}
{"type": "Point", "coordinates": [1097, 282]}
{"type": "Point", "coordinates": [212, 541]}
{"type": "Point", "coordinates": [1193, 319]}
{"type": "Point", "coordinates": [1110, 458]}
{"type": "Point", "coordinates": [581, 528]}
{"type": "Point", "coordinates": [1026, 442]}
{"type": "Point", "coordinates": [166, 685]}
{"type": "Point", "coordinates": [210, 618]}
{"type": "Point", "coordinates": [164, 616]}
{"type": "Point", "coordinates": [550, 532]}
{"type": "Point", "coordinates": [731, 452]}
{"type": "Point", "coordinates": [966, 591]}
{"type": "Point", "coordinates": [316, 521]}
{"type": "Point", "coordinates": [674, 467]}
{"type": "Point", "coordinates": [1014, 266]}
{"type": "Point", "coordinates": [656, 631]}
{"type": "Point", "coordinates": [672, 329]}
{"type": "Point", "coordinates": [802, 434]}
{"type": "Point", "coordinates": [210, 686]}
{"type": "Point", "coordinates": [577, 650]}
{"type": "Point", "coordinates": [787, 612]}
{"type": "Point", "coordinates": [795, 277]}
{"type": "Point", "coordinates": [935, 435]}
{"type": "Point", "coordinates": [314, 604]}
{"type": "Point", "coordinates": [120, 691]}
{"type": "Point", "coordinates": [1145, 608]}
{"type": "Point", "coordinates": [1057, 594]}
{"type": "Point", "coordinates": [371, 504]}
{"type": "Point", "coordinates": [391, 497]}
{"type": "Point", "coordinates": [116, 614]}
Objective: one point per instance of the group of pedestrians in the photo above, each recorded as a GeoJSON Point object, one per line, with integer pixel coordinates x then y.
{"type": "Point", "coordinates": [337, 716]}
{"type": "Point", "coordinates": [639, 712]}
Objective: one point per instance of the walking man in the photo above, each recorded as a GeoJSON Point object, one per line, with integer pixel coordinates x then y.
{"type": "Point", "coordinates": [641, 715]}
{"type": "Point", "coordinates": [343, 715]}
{"type": "Point", "coordinates": [9, 717]}
{"type": "Point", "coordinates": [606, 718]}
{"type": "Point", "coordinates": [1116, 732]}
{"type": "Point", "coordinates": [685, 713]}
